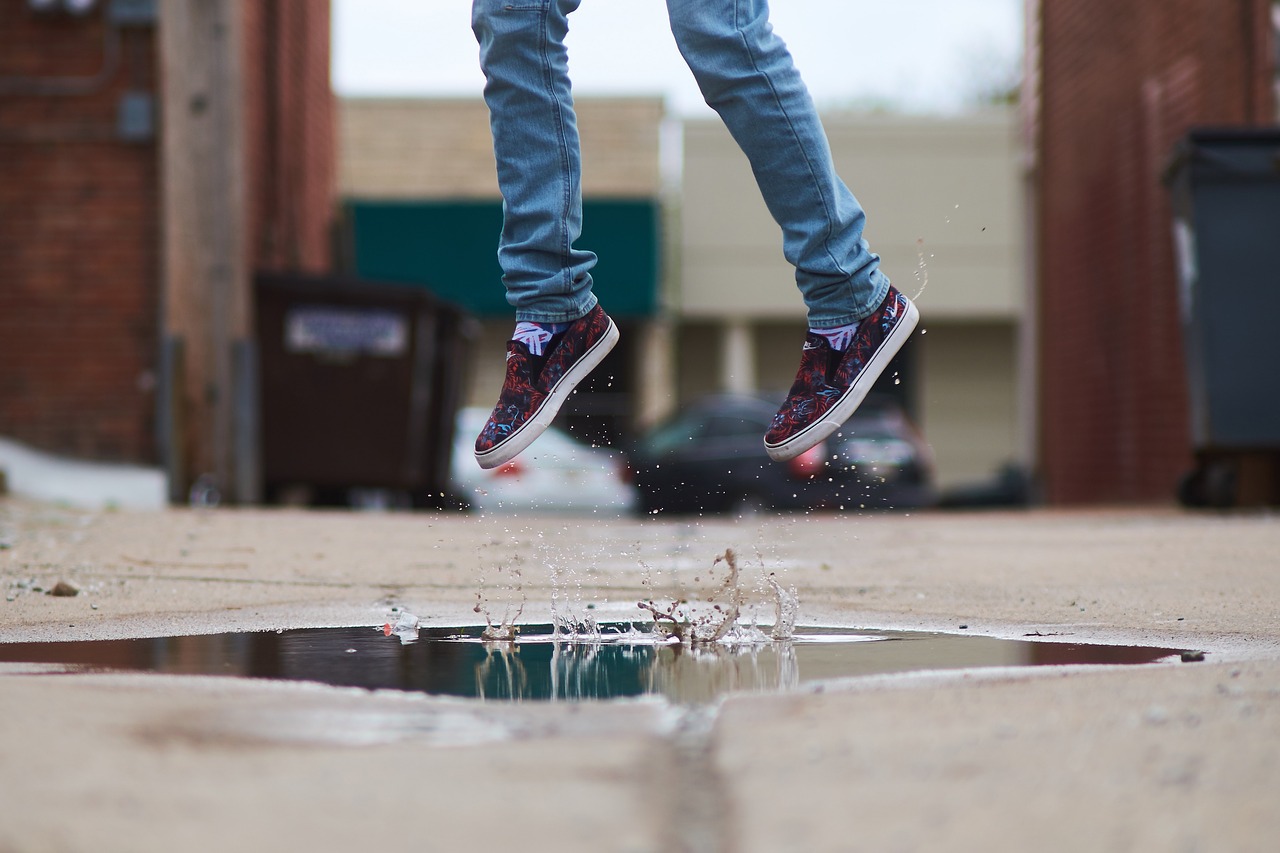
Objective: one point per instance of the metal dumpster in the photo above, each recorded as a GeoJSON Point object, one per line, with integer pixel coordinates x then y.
{"type": "Point", "coordinates": [1225, 186]}
{"type": "Point", "coordinates": [360, 385]}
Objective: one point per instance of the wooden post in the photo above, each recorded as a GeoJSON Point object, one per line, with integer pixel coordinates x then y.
{"type": "Point", "coordinates": [205, 302]}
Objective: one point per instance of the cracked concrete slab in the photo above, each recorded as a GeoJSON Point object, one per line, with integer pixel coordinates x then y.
{"type": "Point", "coordinates": [1169, 756]}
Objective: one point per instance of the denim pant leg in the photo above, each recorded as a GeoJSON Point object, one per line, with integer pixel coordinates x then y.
{"type": "Point", "coordinates": [535, 143]}
{"type": "Point", "coordinates": [746, 74]}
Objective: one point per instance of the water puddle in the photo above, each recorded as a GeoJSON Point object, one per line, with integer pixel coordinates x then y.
{"type": "Point", "coordinates": [542, 662]}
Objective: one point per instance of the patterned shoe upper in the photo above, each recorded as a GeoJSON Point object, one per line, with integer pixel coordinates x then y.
{"type": "Point", "coordinates": [811, 395]}
{"type": "Point", "coordinates": [519, 400]}
{"type": "Point", "coordinates": [570, 345]}
{"type": "Point", "coordinates": [825, 374]}
{"type": "Point", "coordinates": [871, 334]}
{"type": "Point", "coordinates": [530, 379]}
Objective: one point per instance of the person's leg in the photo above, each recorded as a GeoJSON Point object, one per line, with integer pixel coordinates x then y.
{"type": "Point", "coordinates": [746, 74]}
{"type": "Point", "coordinates": [535, 143]}
{"type": "Point", "coordinates": [561, 333]}
{"type": "Point", "coordinates": [857, 320]}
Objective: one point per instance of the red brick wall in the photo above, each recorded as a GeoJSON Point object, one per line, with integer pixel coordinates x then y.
{"type": "Point", "coordinates": [78, 244]}
{"type": "Point", "coordinates": [79, 215]}
{"type": "Point", "coordinates": [1120, 84]}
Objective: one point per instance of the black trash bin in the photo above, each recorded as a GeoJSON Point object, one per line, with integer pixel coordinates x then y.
{"type": "Point", "coordinates": [1225, 185]}
{"type": "Point", "coordinates": [360, 385]}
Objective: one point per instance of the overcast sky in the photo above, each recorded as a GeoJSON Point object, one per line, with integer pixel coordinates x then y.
{"type": "Point", "coordinates": [911, 55]}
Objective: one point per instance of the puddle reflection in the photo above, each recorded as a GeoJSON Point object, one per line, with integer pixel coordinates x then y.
{"type": "Point", "coordinates": [450, 662]}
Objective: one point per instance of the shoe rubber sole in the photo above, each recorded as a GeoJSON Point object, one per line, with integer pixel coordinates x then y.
{"type": "Point", "coordinates": [518, 441]}
{"type": "Point", "coordinates": [849, 402]}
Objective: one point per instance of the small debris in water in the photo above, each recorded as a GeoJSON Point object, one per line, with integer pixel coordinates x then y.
{"type": "Point", "coordinates": [405, 627]}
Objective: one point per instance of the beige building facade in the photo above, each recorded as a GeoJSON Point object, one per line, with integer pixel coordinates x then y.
{"type": "Point", "coordinates": [944, 212]}
{"type": "Point", "coordinates": [414, 148]}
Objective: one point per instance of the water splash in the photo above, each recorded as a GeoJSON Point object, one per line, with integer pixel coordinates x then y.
{"type": "Point", "coordinates": [788, 610]}
{"type": "Point", "coordinates": [571, 621]}
{"type": "Point", "coordinates": [675, 611]}
{"type": "Point", "coordinates": [505, 629]}
{"type": "Point", "coordinates": [922, 268]}
{"type": "Point", "coordinates": [718, 619]}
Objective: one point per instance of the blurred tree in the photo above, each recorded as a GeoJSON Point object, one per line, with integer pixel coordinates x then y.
{"type": "Point", "coordinates": [990, 75]}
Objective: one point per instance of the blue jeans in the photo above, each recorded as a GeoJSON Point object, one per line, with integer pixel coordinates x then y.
{"type": "Point", "coordinates": [746, 75]}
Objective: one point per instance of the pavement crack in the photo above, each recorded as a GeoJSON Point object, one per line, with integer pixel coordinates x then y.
{"type": "Point", "coordinates": [238, 581]}
{"type": "Point", "coordinates": [181, 564]}
{"type": "Point", "coordinates": [701, 820]}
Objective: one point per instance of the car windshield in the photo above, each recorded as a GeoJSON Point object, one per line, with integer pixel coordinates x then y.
{"type": "Point", "coordinates": [856, 429]}
{"type": "Point", "coordinates": [674, 435]}
{"type": "Point", "coordinates": [728, 426]}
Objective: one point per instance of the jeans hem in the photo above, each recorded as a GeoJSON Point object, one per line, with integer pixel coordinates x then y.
{"type": "Point", "coordinates": [822, 320]}
{"type": "Point", "coordinates": [567, 316]}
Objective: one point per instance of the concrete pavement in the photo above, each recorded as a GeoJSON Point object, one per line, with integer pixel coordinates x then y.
{"type": "Point", "coordinates": [1181, 756]}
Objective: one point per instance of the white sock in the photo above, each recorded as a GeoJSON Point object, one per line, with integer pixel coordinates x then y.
{"type": "Point", "coordinates": [536, 335]}
{"type": "Point", "coordinates": [840, 336]}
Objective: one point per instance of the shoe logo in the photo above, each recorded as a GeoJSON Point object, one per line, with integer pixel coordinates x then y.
{"type": "Point", "coordinates": [510, 356]}
{"type": "Point", "coordinates": [808, 346]}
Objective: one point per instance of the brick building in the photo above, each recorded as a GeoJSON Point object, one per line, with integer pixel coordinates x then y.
{"type": "Point", "coordinates": [79, 237]}
{"type": "Point", "coordinates": [107, 131]}
{"type": "Point", "coordinates": [1113, 87]}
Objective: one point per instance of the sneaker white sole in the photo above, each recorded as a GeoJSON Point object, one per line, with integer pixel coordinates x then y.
{"type": "Point", "coordinates": [823, 428]}
{"type": "Point", "coordinates": [519, 441]}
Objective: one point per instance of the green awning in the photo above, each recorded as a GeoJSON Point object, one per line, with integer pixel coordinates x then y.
{"type": "Point", "coordinates": [451, 248]}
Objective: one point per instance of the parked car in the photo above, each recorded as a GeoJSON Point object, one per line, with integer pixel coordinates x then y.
{"type": "Point", "coordinates": [557, 473]}
{"type": "Point", "coordinates": [710, 457]}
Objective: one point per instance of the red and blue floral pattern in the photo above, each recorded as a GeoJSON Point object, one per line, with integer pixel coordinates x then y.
{"type": "Point", "coordinates": [827, 375]}
{"type": "Point", "coordinates": [531, 380]}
